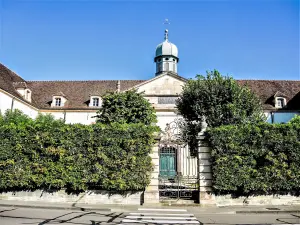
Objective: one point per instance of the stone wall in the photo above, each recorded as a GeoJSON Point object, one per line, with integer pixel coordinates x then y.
{"type": "Point", "coordinates": [228, 200]}
{"type": "Point", "coordinates": [88, 197]}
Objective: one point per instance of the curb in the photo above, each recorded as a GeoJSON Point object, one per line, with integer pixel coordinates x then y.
{"type": "Point", "coordinates": [268, 212]}
{"type": "Point", "coordinates": [57, 207]}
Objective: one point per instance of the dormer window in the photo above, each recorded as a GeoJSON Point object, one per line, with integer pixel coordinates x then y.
{"type": "Point", "coordinates": [27, 95]}
{"type": "Point", "coordinates": [57, 101]}
{"type": "Point", "coordinates": [280, 102]}
{"type": "Point", "coordinates": [95, 101]}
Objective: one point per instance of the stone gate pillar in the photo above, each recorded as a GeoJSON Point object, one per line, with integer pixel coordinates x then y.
{"type": "Point", "coordinates": [204, 172]}
{"type": "Point", "coordinates": [151, 194]}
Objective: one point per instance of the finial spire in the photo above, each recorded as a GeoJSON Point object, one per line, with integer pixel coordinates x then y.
{"type": "Point", "coordinates": [166, 31]}
{"type": "Point", "coordinates": [166, 34]}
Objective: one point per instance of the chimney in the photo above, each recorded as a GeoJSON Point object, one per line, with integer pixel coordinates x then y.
{"type": "Point", "coordinates": [118, 86]}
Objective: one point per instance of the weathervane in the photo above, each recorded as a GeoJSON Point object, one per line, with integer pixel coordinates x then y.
{"type": "Point", "coordinates": [166, 22]}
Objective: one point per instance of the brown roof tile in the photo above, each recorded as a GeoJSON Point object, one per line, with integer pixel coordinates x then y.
{"type": "Point", "coordinates": [266, 89]}
{"type": "Point", "coordinates": [7, 78]}
{"type": "Point", "coordinates": [127, 84]}
{"type": "Point", "coordinates": [78, 93]}
{"type": "Point", "coordinates": [19, 85]}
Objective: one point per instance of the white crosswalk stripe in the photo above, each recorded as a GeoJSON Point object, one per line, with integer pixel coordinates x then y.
{"type": "Point", "coordinates": [160, 216]}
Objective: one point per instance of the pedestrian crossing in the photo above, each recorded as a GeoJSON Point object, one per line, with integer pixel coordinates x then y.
{"type": "Point", "coordinates": [160, 216]}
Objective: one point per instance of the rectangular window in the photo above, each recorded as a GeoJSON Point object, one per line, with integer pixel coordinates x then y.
{"type": "Point", "coordinates": [167, 100]}
{"type": "Point", "coordinates": [95, 101]}
{"type": "Point", "coordinates": [160, 67]}
{"type": "Point", "coordinates": [280, 102]}
{"type": "Point", "coordinates": [57, 101]}
{"type": "Point", "coordinates": [166, 66]}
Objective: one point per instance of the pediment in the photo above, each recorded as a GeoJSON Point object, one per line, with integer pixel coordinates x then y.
{"type": "Point", "coordinates": [165, 84]}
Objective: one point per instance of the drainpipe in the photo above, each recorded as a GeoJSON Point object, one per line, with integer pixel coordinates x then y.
{"type": "Point", "coordinates": [65, 115]}
{"type": "Point", "coordinates": [12, 103]}
{"type": "Point", "coordinates": [272, 117]}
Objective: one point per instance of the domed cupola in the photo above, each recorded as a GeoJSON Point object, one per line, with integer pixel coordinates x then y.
{"type": "Point", "coordinates": [166, 56]}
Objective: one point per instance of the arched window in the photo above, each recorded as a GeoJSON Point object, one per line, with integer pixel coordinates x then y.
{"type": "Point", "coordinates": [168, 162]}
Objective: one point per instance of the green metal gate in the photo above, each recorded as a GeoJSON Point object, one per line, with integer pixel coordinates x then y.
{"type": "Point", "coordinates": [178, 169]}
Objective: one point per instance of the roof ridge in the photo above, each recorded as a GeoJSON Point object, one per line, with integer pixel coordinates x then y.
{"type": "Point", "coordinates": [19, 81]}
{"type": "Point", "coordinates": [263, 80]}
{"type": "Point", "coordinates": [10, 70]}
{"type": "Point", "coordinates": [32, 81]}
{"type": "Point", "coordinates": [66, 80]}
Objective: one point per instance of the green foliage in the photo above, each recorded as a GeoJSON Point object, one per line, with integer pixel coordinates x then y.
{"type": "Point", "coordinates": [48, 154]}
{"type": "Point", "coordinates": [295, 120]}
{"type": "Point", "coordinates": [220, 100]}
{"type": "Point", "coordinates": [126, 107]}
{"type": "Point", "coordinates": [250, 158]}
{"type": "Point", "coordinates": [16, 117]}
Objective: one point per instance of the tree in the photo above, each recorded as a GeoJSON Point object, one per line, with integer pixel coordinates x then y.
{"type": "Point", "coordinates": [220, 100]}
{"type": "Point", "coordinates": [295, 120]}
{"type": "Point", "coordinates": [126, 107]}
{"type": "Point", "coordinates": [15, 116]}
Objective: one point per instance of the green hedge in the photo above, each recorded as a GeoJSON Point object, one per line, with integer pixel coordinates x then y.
{"type": "Point", "coordinates": [48, 154]}
{"type": "Point", "coordinates": [256, 159]}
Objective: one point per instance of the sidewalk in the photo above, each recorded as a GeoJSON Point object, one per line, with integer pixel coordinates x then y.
{"type": "Point", "coordinates": [129, 208]}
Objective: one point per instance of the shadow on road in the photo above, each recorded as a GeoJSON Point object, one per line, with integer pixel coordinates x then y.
{"type": "Point", "coordinates": [58, 220]}
{"type": "Point", "coordinates": [7, 210]}
{"type": "Point", "coordinates": [289, 220]}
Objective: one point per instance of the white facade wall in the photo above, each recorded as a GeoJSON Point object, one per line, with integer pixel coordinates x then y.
{"type": "Point", "coordinates": [56, 115]}
{"type": "Point", "coordinates": [6, 103]}
{"type": "Point", "coordinates": [165, 85]}
{"type": "Point", "coordinates": [80, 117]}
{"type": "Point", "coordinates": [165, 117]}
{"type": "Point", "coordinates": [74, 117]}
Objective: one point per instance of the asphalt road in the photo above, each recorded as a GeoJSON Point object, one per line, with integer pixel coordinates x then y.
{"type": "Point", "coordinates": [22, 216]}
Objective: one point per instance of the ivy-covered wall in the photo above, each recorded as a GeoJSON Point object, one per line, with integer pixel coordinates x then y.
{"type": "Point", "coordinates": [48, 154]}
{"type": "Point", "coordinates": [256, 158]}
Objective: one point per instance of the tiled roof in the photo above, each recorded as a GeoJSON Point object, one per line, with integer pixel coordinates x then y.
{"type": "Point", "coordinates": [7, 78]}
{"type": "Point", "coordinates": [266, 90]}
{"type": "Point", "coordinates": [19, 85]}
{"type": "Point", "coordinates": [78, 93]}
{"type": "Point", "coordinates": [127, 84]}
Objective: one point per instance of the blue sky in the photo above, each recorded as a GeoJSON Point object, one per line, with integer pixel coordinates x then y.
{"type": "Point", "coordinates": [95, 39]}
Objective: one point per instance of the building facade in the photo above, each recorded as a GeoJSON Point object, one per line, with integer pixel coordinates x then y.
{"type": "Point", "coordinates": [78, 101]}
